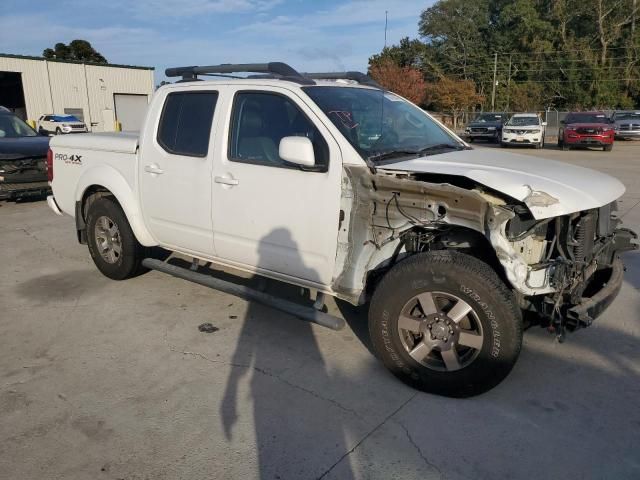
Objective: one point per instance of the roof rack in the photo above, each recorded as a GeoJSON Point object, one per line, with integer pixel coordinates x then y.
{"type": "Point", "coordinates": [279, 69]}
{"type": "Point", "coordinates": [359, 77]}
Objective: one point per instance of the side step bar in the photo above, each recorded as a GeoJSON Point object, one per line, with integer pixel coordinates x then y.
{"type": "Point", "coordinates": [309, 314]}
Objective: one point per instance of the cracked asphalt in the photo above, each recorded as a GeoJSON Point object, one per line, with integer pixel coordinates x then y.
{"type": "Point", "coordinates": [112, 380]}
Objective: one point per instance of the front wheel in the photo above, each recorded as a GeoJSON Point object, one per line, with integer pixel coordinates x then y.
{"type": "Point", "coordinates": [112, 244]}
{"type": "Point", "coordinates": [608, 148]}
{"type": "Point", "coordinates": [443, 322]}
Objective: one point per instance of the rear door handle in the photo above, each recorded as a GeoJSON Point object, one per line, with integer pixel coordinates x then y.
{"type": "Point", "coordinates": [226, 180]}
{"type": "Point", "coordinates": [153, 168]}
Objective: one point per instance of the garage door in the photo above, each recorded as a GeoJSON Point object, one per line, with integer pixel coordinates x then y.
{"type": "Point", "coordinates": [130, 110]}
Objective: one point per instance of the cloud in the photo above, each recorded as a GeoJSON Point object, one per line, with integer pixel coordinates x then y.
{"type": "Point", "coordinates": [338, 38]}
{"type": "Point", "coordinates": [192, 8]}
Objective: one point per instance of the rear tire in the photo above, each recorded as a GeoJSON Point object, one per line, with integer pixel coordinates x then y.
{"type": "Point", "coordinates": [112, 244]}
{"type": "Point", "coordinates": [471, 352]}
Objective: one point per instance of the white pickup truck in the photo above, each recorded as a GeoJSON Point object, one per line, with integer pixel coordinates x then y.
{"type": "Point", "coordinates": [331, 183]}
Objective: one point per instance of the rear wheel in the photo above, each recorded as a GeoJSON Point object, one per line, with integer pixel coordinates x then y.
{"type": "Point", "coordinates": [112, 244]}
{"type": "Point", "coordinates": [443, 322]}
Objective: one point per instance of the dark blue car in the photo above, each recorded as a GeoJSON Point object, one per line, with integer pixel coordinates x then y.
{"type": "Point", "coordinates": [23, 159]}
{"type": "Point", "coordinates": [487, 126]}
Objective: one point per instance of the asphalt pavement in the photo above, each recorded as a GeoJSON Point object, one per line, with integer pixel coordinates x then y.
{"type": "Point", "coordinates": [113, 380]}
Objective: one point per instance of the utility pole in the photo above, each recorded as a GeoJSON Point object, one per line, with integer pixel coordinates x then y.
{"type": "Point", "coordinates": [508, 83]}
{"type": "Point", "coordinates": [386, 12]}
{"type": "Point", "coordinates": [493, 90]}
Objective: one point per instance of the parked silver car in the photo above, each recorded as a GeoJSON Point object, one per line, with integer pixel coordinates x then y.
{"type": "Point", "coordinates": [627, 124]}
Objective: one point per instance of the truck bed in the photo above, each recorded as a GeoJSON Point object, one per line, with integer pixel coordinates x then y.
{"type": "Point", "coordinates": [107, 142]}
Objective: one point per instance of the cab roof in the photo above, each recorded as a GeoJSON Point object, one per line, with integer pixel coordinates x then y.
{"type": "Point", "coordinates": [278, 71]}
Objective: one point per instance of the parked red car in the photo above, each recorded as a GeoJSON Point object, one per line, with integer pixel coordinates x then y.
{"type": "Point", "coordinates": [587, 129]}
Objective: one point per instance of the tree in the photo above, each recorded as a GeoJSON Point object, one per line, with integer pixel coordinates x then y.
{"type": "Point", "coordinates": [565, 54]}
{"type": "Point", "coordinates": [405, 81]}
{"type": "Point", "coordinates": [453, 95]}
{"type": "Point", "coordinates": [408, 53]}
{"type": "Point", "coordinates": [79, 50]}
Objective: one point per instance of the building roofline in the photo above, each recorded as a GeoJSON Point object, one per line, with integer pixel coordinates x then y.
{"type": "Point", "coordinates": [77, 62]}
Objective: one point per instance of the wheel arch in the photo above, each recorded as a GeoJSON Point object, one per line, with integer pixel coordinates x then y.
{"type": "Point", "coordinates": [103, 181]}
{"type": "Point", "coordinates": [457, 238]}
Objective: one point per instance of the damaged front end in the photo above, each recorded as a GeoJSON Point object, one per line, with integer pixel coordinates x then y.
{"type": "Point", "coordinates": [577, 260]}
{"type": "Point", "coordinates": [565, 269]}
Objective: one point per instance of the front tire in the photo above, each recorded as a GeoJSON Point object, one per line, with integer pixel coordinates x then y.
{"type": "Point", "coordinates": [444, 323]}
{"type": "Point", "coordinates": [112, 244]}
{"type": "Point", "coordinates": [607, 148]}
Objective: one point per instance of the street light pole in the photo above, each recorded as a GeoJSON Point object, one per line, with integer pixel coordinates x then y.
{"type": "Point", "coordinates": [493, 91]}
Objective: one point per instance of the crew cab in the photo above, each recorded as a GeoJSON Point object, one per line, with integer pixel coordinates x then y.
{"type": "Point", "coordinates": [486, 126]}
{"type": "Point", "coordinates": [586, 129]}
{"type": "Point", "coordinates": [329, 182]}
{"type": "Point", "coordinates": [524, 129]}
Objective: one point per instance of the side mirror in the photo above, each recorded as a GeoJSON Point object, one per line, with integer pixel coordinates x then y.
{"type": "Point", "coordinates": [298, 150]}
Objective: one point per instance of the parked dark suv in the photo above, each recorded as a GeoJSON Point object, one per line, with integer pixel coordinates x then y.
{"type": "Point", "coordinates": [23, 159]}
{"type": "Point", "coordinates": [487, 126]}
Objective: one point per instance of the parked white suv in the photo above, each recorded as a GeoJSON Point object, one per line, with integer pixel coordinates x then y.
{"type": "Point", "coordinates": [58, 124]}
{"type": "Point", "coordinates": [331, 183]}
{"type": "Point", "coordinates": [524, 129]}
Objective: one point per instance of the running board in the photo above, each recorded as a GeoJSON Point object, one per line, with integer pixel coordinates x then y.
{"type": "Point", "coordinates": [309, 314]}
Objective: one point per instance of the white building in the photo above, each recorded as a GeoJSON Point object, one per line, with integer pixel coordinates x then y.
{"type": "Point", "coordinates": [100, 95]}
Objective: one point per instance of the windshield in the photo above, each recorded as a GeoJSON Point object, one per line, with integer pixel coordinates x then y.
{"type": "Point", "coordinates": [12, 127]}
{"type": "Point", "coordinates": [587, 118]}
{"type": "Point", "coordinates": [523, 121]}
{"type": "Point", "coordinates": [64, 118]}
{"type": "Point", "coordinates": [489, 117]}
{"type": "Point", "coordinates": [626, 116]}
{"type": "Point", "coordinates": [378, 123]}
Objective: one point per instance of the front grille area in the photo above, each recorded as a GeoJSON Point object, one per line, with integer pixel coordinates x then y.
{"type": "Point", "coordinates": [588, 131]}
{"type": "Point", "coordinates": [479, 130]}
{"type": "Point", "coordinates": [630, 127]}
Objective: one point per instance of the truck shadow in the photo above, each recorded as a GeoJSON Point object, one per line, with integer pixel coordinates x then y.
{"type": "Point", "coordinates": [307, 416]}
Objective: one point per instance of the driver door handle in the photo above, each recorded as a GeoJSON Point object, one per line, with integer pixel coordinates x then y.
{"type": "Point", "coordinates": [153, 168]}
{"type": "Point", "coordinates": [226, 180]}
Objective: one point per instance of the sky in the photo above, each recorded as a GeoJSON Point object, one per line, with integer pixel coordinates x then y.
{"type": "Point", "coordinates": [321, 35]}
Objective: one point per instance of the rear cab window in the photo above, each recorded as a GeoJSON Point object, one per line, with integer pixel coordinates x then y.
{"type": "Point", "coordinates": [186, 122]}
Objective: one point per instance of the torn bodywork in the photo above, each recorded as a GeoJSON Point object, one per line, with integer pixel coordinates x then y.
{"type": "Point", "coordinates": [552, 264]}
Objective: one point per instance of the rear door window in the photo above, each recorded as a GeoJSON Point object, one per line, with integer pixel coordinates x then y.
{"type": "Point", "coordinates": [185, 123]}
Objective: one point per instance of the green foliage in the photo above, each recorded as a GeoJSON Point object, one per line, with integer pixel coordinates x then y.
{"type": "Point", "coordinates": [79, 50]}
{"type": "Point", "coordinates": [565, 54]}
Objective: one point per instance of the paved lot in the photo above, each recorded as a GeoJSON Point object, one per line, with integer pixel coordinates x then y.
{"type": "Point", "coordinates": [113, 380]}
